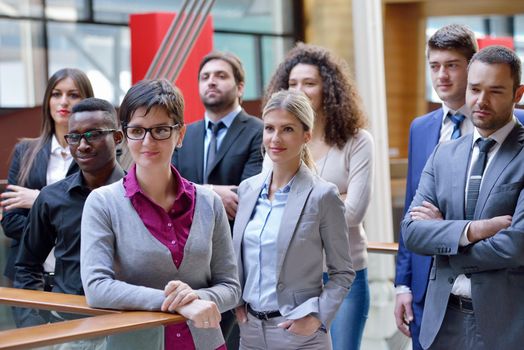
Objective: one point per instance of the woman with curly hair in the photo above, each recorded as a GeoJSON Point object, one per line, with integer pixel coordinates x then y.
{"type": "Point", "coordinates": [343, 154]}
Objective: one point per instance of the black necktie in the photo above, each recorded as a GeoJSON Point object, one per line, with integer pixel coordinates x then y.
{"type": "Point", "coordinates": [212, 149]}
{"type": "Point", "coordinates": [475, 177]}
{"type": "Point", "coordinates": [457, 120]}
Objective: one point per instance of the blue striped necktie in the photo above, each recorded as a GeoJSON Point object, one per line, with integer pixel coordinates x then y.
{"type": "Point", "coordinates": [457, 120]}
{"type": "Point", "coordinates": [475, 177]}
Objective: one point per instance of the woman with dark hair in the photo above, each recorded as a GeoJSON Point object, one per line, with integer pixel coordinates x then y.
{"type": "Point", "coordinates": [43, 160]}
{"type": "Point", "coordinates": [155, 241]}
{"type": "Point", "coordinates": [343, 153]}
{"type": "Point", "coordinates": [289, 221]}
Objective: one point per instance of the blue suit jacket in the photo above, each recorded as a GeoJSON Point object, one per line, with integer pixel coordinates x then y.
{"type": "Point", "coordinates": [412, 269]}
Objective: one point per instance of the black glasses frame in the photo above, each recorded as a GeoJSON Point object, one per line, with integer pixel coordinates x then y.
{"type": "Point", "coordinates": [149, 130]}
{"type": "Point", "coordinates": [89, 136]}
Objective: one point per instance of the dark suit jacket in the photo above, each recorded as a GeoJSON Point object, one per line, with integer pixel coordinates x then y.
{"type": "Point", "coordinates": [238, 158]}
{"type": "Point", "coordinates": [495, 264]}
{"type": "Point", "coordinates": [14, 221]}
{"type": "Point", "coordinates": [413, 269]}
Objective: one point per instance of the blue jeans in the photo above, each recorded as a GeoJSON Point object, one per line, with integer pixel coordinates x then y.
{"type": "Point", "coordinates": [348, 326]}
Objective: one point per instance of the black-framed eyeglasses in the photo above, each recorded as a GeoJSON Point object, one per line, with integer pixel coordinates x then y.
{"type": "Point", "coordinates": [90, 136]}
{"type": "Point", "coordinates": [161, 132]}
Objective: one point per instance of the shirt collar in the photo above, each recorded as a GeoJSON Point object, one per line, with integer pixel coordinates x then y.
{"type": "Point", "coordinates": [78, 181]}
{"type": "Point", "coordinates": [132, 187]}
{"type": "Point", "coordinates": [227, 119]}
{"type": "Point", "coordinates": [56, 148]}
{"type": "Point", "coordinates": [284, 190]}
{"type": "Point", "coordinates": [499, 135]}
{"type": "Point", "coordinates": [464, 110]}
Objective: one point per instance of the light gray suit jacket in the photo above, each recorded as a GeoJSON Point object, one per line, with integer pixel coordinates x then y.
{"type": "Point", "coordinates": [495, 265]}
{"type": "Point", "coordinates": [313, 224]}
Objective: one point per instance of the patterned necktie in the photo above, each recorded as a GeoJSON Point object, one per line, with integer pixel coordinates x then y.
{"type": "Point", "coordinates": [475, 177]}
{"type": "Point", "coordinates": [457, 120]}
{"type": "Point", "coordinates": [212, 149]}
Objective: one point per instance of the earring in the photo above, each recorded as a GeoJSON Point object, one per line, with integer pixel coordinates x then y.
{"type": "Point", "coordinates": [179, 145]}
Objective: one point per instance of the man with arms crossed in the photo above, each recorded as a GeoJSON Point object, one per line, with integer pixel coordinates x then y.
{"type": "Point", "coordinates": [54, 219]}
{"type": "Point", "coordinates": [475, 182]}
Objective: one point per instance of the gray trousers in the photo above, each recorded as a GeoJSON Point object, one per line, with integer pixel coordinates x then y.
{"type": "Point", "coordinates": [458, 331]}
{"type": "Point", "coordinates": [258, 334]}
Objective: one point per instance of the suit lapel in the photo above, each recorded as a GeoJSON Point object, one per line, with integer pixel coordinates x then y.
{"type": "Point", "coordinates": [302, 186]}
{"type": "Point", "coordinates": [432, 135]}
{"type": "Point", "coordinates": [249, 198]}
{"type": "Point", "coordinates": [511, 146]}
{"type": "Point", "coordinates": [232, 134]}
{"type": "Point", "coordinates": [40, 165]}
{"type": "Point", "coordinates": [459, 170]}
{"type": "Point", "coordinates": [197, 152]}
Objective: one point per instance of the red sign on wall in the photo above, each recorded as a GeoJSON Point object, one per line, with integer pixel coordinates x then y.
{"type": "Point", "coordinates": [147, 32]}
{"type": "Point", "coordinates": [505, 41]}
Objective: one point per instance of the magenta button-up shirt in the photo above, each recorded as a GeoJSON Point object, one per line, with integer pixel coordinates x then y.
{"type": "Point", "coordinates": [172, 230]}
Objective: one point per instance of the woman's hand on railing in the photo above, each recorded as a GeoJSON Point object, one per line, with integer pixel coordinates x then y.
{"type": "Point", "coordinates": [177, 294]}
{"type": "Point", "coordinates": [203, 313]}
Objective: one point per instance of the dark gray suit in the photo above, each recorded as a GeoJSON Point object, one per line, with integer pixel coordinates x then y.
{"type": "Point", "coordinates": [496, 264]}
{"type": "Point", "coordinates": [238, 157]}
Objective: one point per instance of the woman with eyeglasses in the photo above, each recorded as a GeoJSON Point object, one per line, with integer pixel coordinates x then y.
{"type": "Point", "coordinates": [43, 160]}
{"type": "Point", "coordinates": [155, 241]}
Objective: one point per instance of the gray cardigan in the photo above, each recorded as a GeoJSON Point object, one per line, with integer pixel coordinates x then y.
{"type": "Point", "coordinates": [123, 266]}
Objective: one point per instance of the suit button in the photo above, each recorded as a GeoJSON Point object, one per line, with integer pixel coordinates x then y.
{"type": "Point", "coordinates": [451, 280]}
{"type": "Point", "coordinates": [280, 287]}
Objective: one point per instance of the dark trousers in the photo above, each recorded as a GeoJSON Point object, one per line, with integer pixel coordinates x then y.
{"type": "Point", "coordinates": [230, 330]}
{"type": "Point", "coordinates": [458, 331]}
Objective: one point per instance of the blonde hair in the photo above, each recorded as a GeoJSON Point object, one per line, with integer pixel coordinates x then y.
{"type": "Point", "coordinates": [296, 103]}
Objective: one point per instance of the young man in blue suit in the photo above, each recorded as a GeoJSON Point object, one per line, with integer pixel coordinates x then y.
{"type": "Point", "coordinates": [449, 51]}
{"type": "Point", "coordinates": [468, 213]}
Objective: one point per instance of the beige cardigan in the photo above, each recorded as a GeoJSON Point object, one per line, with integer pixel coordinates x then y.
{"type": "Point", "coordinates": [351, 170]}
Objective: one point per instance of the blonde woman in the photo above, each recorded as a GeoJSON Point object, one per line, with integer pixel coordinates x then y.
{"type": "Point", "coordinates": [288, 221]}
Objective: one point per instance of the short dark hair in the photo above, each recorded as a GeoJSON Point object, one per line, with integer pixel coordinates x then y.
{"type": "Point", "coordinates": [232, 59]}
{"type": "Point", "coordinates": [501, 55]}
{"type": "Point", "coordinates": [153, 93]}
{"type": "Point", "coordinates": [454, 37]}
{"type": "Point", "coordinates": [93, 104]}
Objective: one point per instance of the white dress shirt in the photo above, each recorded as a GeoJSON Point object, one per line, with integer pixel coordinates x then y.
{"type": "Point", "coordinates": [59, 162]}
{"type": "Point", "coordinates": [227, 120]}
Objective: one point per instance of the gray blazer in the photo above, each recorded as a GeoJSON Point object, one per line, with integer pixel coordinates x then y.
{"type": "Point", "coordinates": [313, 224]}
{"type": "Point", "coordinates": [495, 265]}
{"type": "Point", "coordinates": [125, 267]}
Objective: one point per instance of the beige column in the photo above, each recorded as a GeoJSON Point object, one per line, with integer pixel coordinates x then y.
{"type": "Point", "coordinates": [368, 50]}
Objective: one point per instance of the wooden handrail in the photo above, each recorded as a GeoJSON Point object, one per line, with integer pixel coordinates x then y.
{"type": "Point", "coordinates": [35, 299]}
{"type": "Point", "coordinates": [383, 247]}
{"type": "Point", "coordinates": [97, 326]}
{"type": "Point", "coordinates": [102, 322]}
